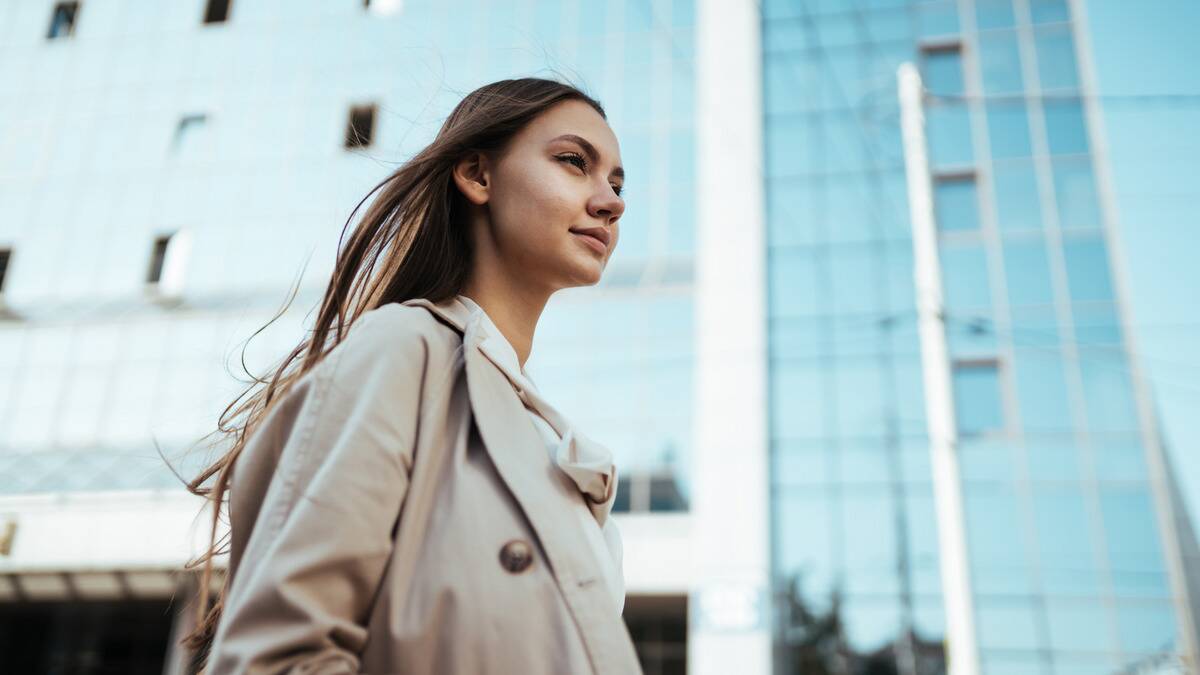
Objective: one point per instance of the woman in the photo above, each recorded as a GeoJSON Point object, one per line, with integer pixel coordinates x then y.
{"type": "Point", "coordinates": [404, 500]}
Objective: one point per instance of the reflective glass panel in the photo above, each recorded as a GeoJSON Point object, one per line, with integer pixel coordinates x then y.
{"type": "Point", "coordinates": [1075, 193]}
{"type": "Point", "coordinates": [948, 128]}
{"type": "Point", "coordinates": [1027, 272]}
{"type": "Point", "coordinates": [1056, 58]}
{"type": "Point", "coordinates": [935, 19]}
{"type": "Point", "coordinates": [1087, 269]}
{"type": "Point", "coordinates": [1146, 627]}
{"type": "Point", "coordinates": [977, 403]}
{"type": "Point", "coordinates": [1078, 626]}
{"type": "Point", "coordinates": [1000, 61]}
{"type": "Point", "coordinates": [994, 14]}
{"type": "Point", "coordinates": [794, 290]}
{"type": "Point", "coordinates": [1008, 129]}
{"type": "Point", "coordinates": [1107, 390]}
{"type": "Point", "coordinates": [997, 541]}
{"type": "Point", "coordinates": [1134, 551]}
{"type": "Point", "coordinates": [1066, 131]}
{"type": "Point", "coordinates": [956, 203]}
{"type": "Point", "coordinates": [1042, 391]}
{"type": "Point", "coordinates": [943, 74]}
{"type": "Point", "coordinates": [1064, 538]}
{"type": "Point", "coordinates": [1017, 203]}
{"type": "Point", "coordinates": [1007, 624]}
{"type": "Point", "coordinates": [965, 277]}
{"type": "Point", "coordinates": [1049, 11]}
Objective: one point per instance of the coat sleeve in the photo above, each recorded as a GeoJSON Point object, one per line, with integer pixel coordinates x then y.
{"type": "Point", "coordinates": [303, 586]}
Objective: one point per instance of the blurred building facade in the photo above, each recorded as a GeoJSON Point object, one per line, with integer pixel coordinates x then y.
{"type": "Point", "coordinates": [166, 169]}
{"type": "Point", "coordinates": [1073, 535]}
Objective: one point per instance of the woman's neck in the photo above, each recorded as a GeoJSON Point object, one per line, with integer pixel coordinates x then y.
{"type": "Point", "coordinates": [514, 312]}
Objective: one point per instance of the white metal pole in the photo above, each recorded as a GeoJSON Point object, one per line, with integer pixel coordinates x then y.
{"type": "Point", "coordinates": [962, 654]}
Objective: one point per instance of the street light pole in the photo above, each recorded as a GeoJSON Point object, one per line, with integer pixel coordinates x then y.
{"type": "Point", "coordinates": [962, 653]}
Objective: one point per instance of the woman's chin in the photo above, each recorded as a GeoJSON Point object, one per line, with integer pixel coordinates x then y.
{"type": "Point", "coordinates": [587, 274]}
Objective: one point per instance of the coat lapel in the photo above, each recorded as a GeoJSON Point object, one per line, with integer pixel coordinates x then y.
{"type": "Point", "coordinates": [519, 455]}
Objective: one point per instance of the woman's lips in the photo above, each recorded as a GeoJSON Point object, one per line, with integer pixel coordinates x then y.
{"type": "Point", "coordinates": [593, 242]}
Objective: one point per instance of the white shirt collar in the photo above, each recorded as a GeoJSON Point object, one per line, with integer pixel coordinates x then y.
{"type": "Point", "coordinates": [508, 359]}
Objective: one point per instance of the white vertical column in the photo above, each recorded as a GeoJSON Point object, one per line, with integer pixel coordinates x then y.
{"type": "Point", "coordinates": [729, 623]}
{"type": "Point", "coordinates": [961, 652]}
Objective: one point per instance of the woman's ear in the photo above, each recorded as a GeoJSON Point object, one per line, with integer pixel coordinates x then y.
{"type": "Point", "coordinates": [472, 175]}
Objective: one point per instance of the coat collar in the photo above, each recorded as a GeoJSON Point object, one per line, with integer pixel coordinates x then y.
{"type": "Point", "coordinates": [588, 463]}
{"type": "Point", "coordinates": [519, 455]}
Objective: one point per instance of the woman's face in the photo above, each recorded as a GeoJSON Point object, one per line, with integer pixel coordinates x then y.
{"type": "Point", "coordinates": [560, 174]}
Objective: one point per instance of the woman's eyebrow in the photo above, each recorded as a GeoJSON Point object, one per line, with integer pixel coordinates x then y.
{"type": "Point", "coordinates": [590, 149]}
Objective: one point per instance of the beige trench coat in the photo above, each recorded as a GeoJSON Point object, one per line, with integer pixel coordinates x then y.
{"type": "Point", "coordinates": [339, 567]}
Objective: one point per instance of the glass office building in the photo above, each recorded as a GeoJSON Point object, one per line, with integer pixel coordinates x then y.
{"type": "Point", "coordinates": [167, 169]}
{"type": "Point", "coordinates": [1067, 496]}
{"type": "Point", "coordinates": [751, 356]}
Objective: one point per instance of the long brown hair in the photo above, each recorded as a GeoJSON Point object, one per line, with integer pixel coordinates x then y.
{"type": "Point", "coordinates": [412, 242]}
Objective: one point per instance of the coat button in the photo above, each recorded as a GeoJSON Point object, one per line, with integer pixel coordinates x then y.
{"type": "Point", "coordinates": [516, 556]}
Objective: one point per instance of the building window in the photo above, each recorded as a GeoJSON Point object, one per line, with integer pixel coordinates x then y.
{"type": "Point", "coordinates": [965, 281]}
{"type": "Point", "coordinates": [186, 131]}
{"type": "Point", "coordinates": [360, 126]}
{"type": "Point", "coordinates": [158, 256]}
{"type": "Point", "coordinates": [1056, 58]}
{"type": "Point", "coordinates": [1008, 129]}
{"type": "Point", "coordinates": [659, 628]}
{"type": "Point", "coordinates": [76, 636]}
{"type": "Point", "coordinates": [956, 201]}
{"type": "Point", "coordinates": [168, 255]}
{"type": "Point", "coordinates": [217, 11]}
{"type": "Point", "coordinates": [665, 494]}
{"type": "Point", "coordinates": [649, 490]}
{"type": "Point", "coordinates": [62, 22]}
{"type": "Point", "coordinates": [382, 7]}
{"type": "Point", "coordinates": [1000, 62]}
{"type": "Point", "coordinates": [941, 68]}
{"type": "Point", "coordinates": [947, 120]}
{"type": "Point", "coordinates": [1088, 277]}
{"type": "Point", "coordinates": [5, 256]}
{"type": "Point", "coordinates": [1066, 131]}
{"type": "Point", "coordinates": [1018, 204]}
{"type": "Point", "coordinates": [978, 405]}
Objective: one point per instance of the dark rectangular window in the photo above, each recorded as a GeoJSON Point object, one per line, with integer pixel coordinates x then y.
{"type": "Point", "coordinates": [157, 256]}
{"type": "Point", "coordinates": [621, 502]}
{"type": "Point", "coordinates": [955, 201]}
{"type": "Point", "coordinates": [217, 11]}
{"type": "Point", "coordinates": [942, 68]}
{"type": "Point", "coordinates": [360, 126]}
{"type": "Point", "coordinates": [665, 494]}
{"type": "Point", "coordinates": [129, 637]}
{"type": "Point", "coordinates": [62, 22]}
{"type": "Point", "coordinates": [658, 625]}
{"type": "Point", "coordinates": [5, 255]}
{"type": "Point", "coordinates": [188, 126]}
{"type": "Point", "coordinates": [978, 403]}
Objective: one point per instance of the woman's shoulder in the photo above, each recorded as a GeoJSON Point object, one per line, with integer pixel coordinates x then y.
{"type": "Point", "coordinates": [394, 335]}
{"type": "Point", "coordinates": [395, 320]}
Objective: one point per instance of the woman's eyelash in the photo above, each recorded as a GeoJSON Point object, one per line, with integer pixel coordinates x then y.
{"type": "Point", "coordinates": [570, 156]}
{"type": "Point", "coordinates": [583, 165]}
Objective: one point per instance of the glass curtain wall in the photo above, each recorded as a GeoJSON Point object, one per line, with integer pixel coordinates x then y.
{"type": "Point", "coordinates": [1066, 563]}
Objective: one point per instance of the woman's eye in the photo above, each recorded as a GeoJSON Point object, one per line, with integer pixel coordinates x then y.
{"type": "Point", "coordinates": [582, 163]}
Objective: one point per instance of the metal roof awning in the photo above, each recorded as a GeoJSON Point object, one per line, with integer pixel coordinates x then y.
{"type": "Point", "coordinates": [121, 544]}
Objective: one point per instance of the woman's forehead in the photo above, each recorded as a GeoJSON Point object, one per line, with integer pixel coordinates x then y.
{"type": "Point", "coordinates": [575, 119]}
